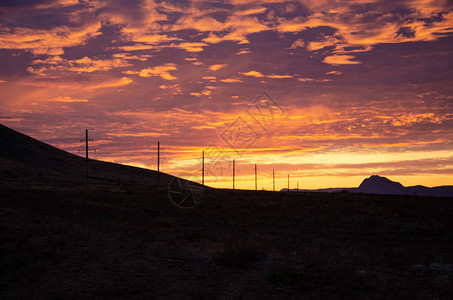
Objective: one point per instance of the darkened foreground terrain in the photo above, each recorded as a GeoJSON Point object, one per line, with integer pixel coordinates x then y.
{"type": "Point", "coordinates": [108, 241]}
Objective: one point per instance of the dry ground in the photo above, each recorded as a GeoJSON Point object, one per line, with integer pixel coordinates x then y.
{"type": "Point", "coordinates": [116, 241]}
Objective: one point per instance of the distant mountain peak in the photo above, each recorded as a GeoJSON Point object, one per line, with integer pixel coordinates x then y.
{"type": "Point", "coordinates": [381, 185]}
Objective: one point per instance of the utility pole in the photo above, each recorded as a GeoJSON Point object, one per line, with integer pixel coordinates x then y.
{"type": "Point", "coordinates": [256, 181]}
{"type": "Point", "coordinates": [288, 182]}
{"type": "Point", "coordinates": [273, 180]}
{"type": "Point", "coordinates": [158, 163]}
{"type": "Point", "coordinates": [234, 169]}
{"type": "Point", "coordinates": [86, 140]}
{"type": "Point", "coordinates": [202, 168]}
{"type": "Point", "coordinates": [297, 189]}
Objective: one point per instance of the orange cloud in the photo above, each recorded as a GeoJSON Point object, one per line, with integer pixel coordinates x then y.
{"type": "Point", "coordinates": [231, 80]}
{"type": "Point", "coordinates": [161, 71]}
{"type": "Point", "coordinates": [110, 83]}
{"type": "Point", "coordinates": [206, 92]}
{"type": "Point", "coordinates": [235, 28]}
{"type": "Point", "coordinates": [360, 31]}
{"type": "Point", "coordinates": [334, 73]}
{"type": "Point", "coordinates": [251, 11]}
{"type": "Point", "coordinates": [297, 44]}
{"type": "Point", "coordinates": [136, 47]}
{"type": "Point", "coordinates": [142, 57]}
{"type": "Point", "coordinates": [259, 75]}
{"type": "Point", "coordinates": [340, 60]}
{"type": "Point", "coordinates": [193, 20]}
{"type": "Point", "coordinates": [175, 88]}
{"type": "Point", "coordinates": [89, 65]}
{"type": "Point", "coordinates": [253, 74]}
{"type": "Point", "coordinates": [57, 3]}
{"type": "Point", "coordinates": [94, 84]}
{"type": "Point", "coordinates": [279, 76]}
{"type": "Point", "coordinates": [313, 80]}
{"type": "Point", "coordinates": [50, 41]}
{"type": "Point", "coordinates": [243, 52]}
{"type": "Point", "coordinates": [213, 39]}
{"type": "Point", "coordinates": [136, 23]}
{"type": "Point", "coordinates": [326, 42]}
{"type": "Point", "coordinates": [67, 99]}
{"type": "Point", "coordinates": [83, 65]}
{"type": "Point", "coordinates": [138, 35]}
{"type": "Point", "coordinates": [190, 46]}
{"type": "Point", "coordinates": [130, 72]}
{"type": "Point", "coordinates": [217, 67]}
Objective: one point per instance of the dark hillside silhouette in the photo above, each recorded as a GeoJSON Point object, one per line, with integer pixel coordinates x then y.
{"type": "Point", "coordinates": [23, 158]}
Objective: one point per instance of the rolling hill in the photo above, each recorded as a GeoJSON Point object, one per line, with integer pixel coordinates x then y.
{"type": "Point", "coordinates": [25, 159]}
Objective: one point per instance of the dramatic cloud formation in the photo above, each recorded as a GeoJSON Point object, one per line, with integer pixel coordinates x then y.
{"type": "Point", "coordinates": [46, 41]}
{"type": "Point", "coordinates": [353, 88]}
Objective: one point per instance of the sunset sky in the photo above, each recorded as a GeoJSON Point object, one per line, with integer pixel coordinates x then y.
{"type": "Point", "coordinates": [328, 91]}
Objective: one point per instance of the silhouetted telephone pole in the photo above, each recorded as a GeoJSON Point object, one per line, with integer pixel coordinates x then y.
{"type": "Point", "coordinates": [202, 169]}
{"type": "Point", "coordinates": [256, 180]}
{"type": "Point", "coordinates": [288, 182]}
{"type": "Point", "coordinates": [273, 180]}
{"type": "Point", "coordinates": [158, 163]}
{"type": "Point", "coordinates": [234, 169]}
{"type": "Point", "coordinates": [86, 140]}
